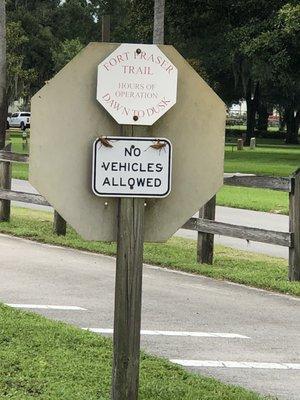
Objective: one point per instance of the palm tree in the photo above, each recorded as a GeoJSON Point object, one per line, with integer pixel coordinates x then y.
{"type": "Point", "coordinates": [159, 17]}
{"type": "Point", "coordinates": [3, 106]}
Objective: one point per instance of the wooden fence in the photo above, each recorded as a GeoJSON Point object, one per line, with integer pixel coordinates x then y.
{"type": "Point", "coordinates": [7, 195]}
{"type": "Point", "coordinates": [207, 227]}
{"type": "Point", "coordinates": [205, 224]}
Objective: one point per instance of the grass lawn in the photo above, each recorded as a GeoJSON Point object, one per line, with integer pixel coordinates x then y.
{"type": "Point", "coordinates": [19, 171]}
{"type": "Point", "coordinates": [46, 360]}
{"type": "Point", "coordinates": [234, 265]}
{"type": "Point", "coordinates": [254, 199]}
{"type": "Point", "coordinates": [265, 160]}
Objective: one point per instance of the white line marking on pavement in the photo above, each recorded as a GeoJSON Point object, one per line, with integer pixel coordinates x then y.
{"type": "Point", "coordinates": [235, 364]}
{"type": "Point", "coordinates": [177, 333]}
{"type": "Point", "coordinates": [47, 307]}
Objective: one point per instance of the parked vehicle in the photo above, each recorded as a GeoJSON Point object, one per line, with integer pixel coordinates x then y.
{"type": "Point", "coordinates": [19, 120]}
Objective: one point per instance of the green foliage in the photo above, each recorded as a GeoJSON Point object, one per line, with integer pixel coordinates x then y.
{"type": "Point", "coordinates": [276, 52]}
{"type": "Point", "coordinates": [51, 32]}
{"type": "Point", "coordinates": [18, 77]}
{"type": "Point", "coordinates": [254, 199]}
{"type": "Point", "coordinates": [74, 20]}
{"type": "Point", "coordinates": [45, 35]}
{"type": "Point", "coordinates": [66, 50]}
{"type": "Point", "coordinates": [119, 10]}
{"type": "Point", "coordinates": [264, 160]}
{"type": "Point", "coordinates": [36, 18]}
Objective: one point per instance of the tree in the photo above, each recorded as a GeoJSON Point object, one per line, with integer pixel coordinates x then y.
{"type": "Point", "coordinates": [37, 21]}
{"type": "Point", "coordinates": [3, 100]}
{"type": "Point", "coordinates": [19, 79]}
{"type": "Point", "coordinates": [73, 19]}
{"type": "Point", "coordinates": [64, 53]}
{"type": "Point", "coordinates": [276, 58]}
{"type": "Point", "coordinates": [54, 32]}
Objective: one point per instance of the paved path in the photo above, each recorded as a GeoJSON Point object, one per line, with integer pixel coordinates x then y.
{"type": "Point", "coordinates": [224, 214]}
{"type": "Point", "coordinates": [240, 335]}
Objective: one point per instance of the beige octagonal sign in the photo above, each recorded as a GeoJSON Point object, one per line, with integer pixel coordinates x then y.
{"type": "Point", "coordinates": [67, 119]}
{"type": "Point", "coordinates": [137, 84]}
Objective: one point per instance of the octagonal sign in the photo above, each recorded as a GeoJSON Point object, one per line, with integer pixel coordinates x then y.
{"type": "Point", "coordinates": [67, 119]}
{"type": "Point", "coordinates": [137, 84]}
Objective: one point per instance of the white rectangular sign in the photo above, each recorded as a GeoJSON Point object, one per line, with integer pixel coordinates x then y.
{"type": "Point", "coordinates": [132, 167]}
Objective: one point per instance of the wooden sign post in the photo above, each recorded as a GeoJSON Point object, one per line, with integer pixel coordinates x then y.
{"type": "Point", "coordinates": [128, 295]}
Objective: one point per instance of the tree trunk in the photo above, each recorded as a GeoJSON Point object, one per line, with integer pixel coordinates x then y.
{"type": "Point", "coordinates": [159, 18]}
{"type": "Point", "coordinates": [282, 121]}
{"type": "Point", "coordinates": [252, 107]}
{"type": "Point", "coordinates": [250, 122]}
{"type": "Point", "coordinates": [3, 101]}
{"type": "Point", "coordinates": [297, 125]}
{"type": "Point", "coordinates": [262, 122]}
{"type": "Point", "coordinates": [292, 125]}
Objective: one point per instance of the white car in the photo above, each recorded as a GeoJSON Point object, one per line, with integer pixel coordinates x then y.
{"type": "Point", "coordinates": [19, 120]}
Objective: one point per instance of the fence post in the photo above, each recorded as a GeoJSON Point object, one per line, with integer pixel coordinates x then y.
{"type": "Point", "coordinates": [5, 183]}
{"type": "Point", "coordinates": [205, 243]}
{"type": "Point", "coordinates": [59, 224]}
{"type": "Point", "coordinates": [294, 221]}
{"type": "Point", "coordinates": [240, 144]}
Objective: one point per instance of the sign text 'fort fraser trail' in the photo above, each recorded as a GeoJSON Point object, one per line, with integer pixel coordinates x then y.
{"type": "Point", "coordinates": [137, 84]}
{"type": "Point", "coordinates": [132, 167]}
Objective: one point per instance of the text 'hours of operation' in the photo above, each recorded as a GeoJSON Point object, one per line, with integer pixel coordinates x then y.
{"type": "Point", "coordinates": [137, 84]}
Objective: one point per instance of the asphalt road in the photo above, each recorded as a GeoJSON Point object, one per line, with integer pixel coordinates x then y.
{"type": "Point", "coordinates": [239, 335]}
{"type": "Point", "coordinates": [224, 214]}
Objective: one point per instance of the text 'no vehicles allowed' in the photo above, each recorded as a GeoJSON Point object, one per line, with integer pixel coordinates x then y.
{"type": "Point", "coordinates": [132, 167]}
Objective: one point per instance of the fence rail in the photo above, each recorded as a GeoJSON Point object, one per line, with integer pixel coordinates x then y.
{"type": "Point", "coordinates": [239, 231]}
{"type": "Point", "coordinates": [205, 225]}
{"type": "Point", "coordinates": [23, 197]}
{"type": "Point", "coordinates": [13, 157]}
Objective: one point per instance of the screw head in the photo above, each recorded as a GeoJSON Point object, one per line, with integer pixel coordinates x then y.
{"type": "Point", "coordinates": [135, 117]}
{"type": "Point", "coordinates": [138, 51]}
